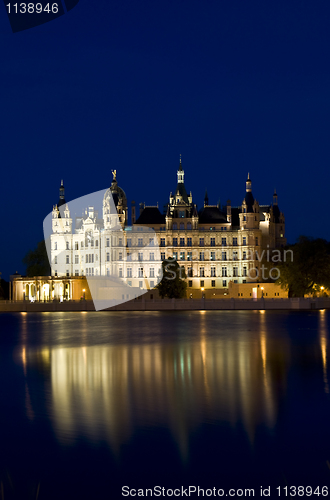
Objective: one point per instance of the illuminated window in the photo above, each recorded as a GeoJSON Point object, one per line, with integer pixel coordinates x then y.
{"type": "Point", "coordinates": [213, 283]}
{"type": "Point", "coordinates": [244, 271]}
{"type": "Point", "coordinates": [181, 213]}
{"type": "Point", "coordinates": [182, 255]}
{"type": "Point", "coordinates": [244, 241]}
{"type": "Point", "coordinates": [140, 272]}
{"type": "Point", "coordinates": [224, 271]}
{"type": "Point", "coordinates": [189, 255]}
{"type": "Point", "coordinates": [181, 242]}
{"type": "Point", "coordinates": [201, 255]}
{"type": "Point", "coordinates": [235, 255]}
{"type": "Point", "coordinates": [235, 271]}
{"type": "Point", "coordinates": [212, 242]}
{"type": "Point", "coordinates": [151, 272]}
{"type": "Point", "coordinates": [201, 273]}
{"type": "Point", "coordinates": [224, 242]}
{"type": "Point", "coordinates": [212, 256]}
{"type": "Point", "coordinates": [189, 242]}
{"type": "Point", "coordinates": [201, 283]}
{"type": "Point", "coordinates": [224, 282]}
{"type": "Point", "coordinates": [162, 242]}
{"type": "Point", "coordinates": [244, 255]}
{"type": "Point", "coordinates": [212, 272]}
{"type": "Point", "coordinates": [224, 255]}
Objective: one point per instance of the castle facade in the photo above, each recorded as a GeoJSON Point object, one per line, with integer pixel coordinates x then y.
{"type": "Point", "coordinates": [215, 245]}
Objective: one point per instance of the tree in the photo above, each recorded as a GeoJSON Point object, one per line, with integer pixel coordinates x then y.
{"type": "Point", "coordinates": [173, 284]}
{"type": "Point", "coordinates": [308, 270]}
{"type": "Point", "coordinates": [36, 261]}
{"type": "Point", "coordinates": [4, 289]}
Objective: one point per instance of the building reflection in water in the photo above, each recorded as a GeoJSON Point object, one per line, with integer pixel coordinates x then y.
{"type": "Point", "coordinates": [324, 344]}
{"type": "Point", "coordinates": [107, 392]}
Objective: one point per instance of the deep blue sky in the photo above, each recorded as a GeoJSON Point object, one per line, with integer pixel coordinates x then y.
{"type": "Point", "coordinates": [234, 86]}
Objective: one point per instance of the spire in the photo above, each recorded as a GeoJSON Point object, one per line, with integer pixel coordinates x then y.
{"type": "Point", "coordinates": [206, 198]}
{"type": "Point", "coordinates": [275, 201]}
{"type": "Point", "coordinates": [180, 173]}
{"type": "Point", "coordinates": [248, 184]}
{"type": "Point", "coordinates": [62, 195]}
{"type": "Point", "coordinates": [249, 200]}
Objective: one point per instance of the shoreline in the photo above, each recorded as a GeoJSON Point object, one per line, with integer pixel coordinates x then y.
{"type": "Point", "coordinates": [296, 304]}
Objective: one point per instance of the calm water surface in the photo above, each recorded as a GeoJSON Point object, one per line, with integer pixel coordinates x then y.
{"type": "Point", "coordinates": [91, 402]}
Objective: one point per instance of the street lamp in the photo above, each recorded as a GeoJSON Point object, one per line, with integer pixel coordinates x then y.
{"type": "Point", "coordinates": [262, 292]}
{"type": "Point", "coordinates": [84, 290]}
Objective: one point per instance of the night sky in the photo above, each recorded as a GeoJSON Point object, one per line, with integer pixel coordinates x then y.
{"type": "Point", "coordinates": [233, 86]}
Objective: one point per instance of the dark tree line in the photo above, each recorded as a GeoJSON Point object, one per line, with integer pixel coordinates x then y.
{"type": "Point", "coordinates": [308, 270]}
{"type": "Point", "coordinates": [36, 261]}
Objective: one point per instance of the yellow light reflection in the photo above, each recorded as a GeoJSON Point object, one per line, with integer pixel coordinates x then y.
{"type": "Point", "coordinates": [324, 345]}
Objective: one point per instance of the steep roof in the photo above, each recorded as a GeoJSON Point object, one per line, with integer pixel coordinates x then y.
{"type": "Point", "coordinates": [180, 189]}
{"type": "Point", "coordinates": [151, 215]}
{"type": "Point", "coordinates": [249, 200]}
{"type": "Point", "coordinates": [210, 214]}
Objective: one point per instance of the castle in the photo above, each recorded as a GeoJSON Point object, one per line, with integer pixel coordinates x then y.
{"type": "Point", "coordinates": [215, 245]}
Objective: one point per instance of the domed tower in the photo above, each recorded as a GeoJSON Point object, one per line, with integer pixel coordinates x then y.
{"type": "Point", "coordinates": [249, 216]}
{"type": "Point", "coordinates": [117, 194]}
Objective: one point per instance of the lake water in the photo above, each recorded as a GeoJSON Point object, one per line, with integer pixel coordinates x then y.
{"type": "Point", "coordinates": [91, 402]}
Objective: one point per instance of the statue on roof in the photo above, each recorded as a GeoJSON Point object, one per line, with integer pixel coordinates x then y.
{"type": "Point", "coordinates": [114, 173]}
